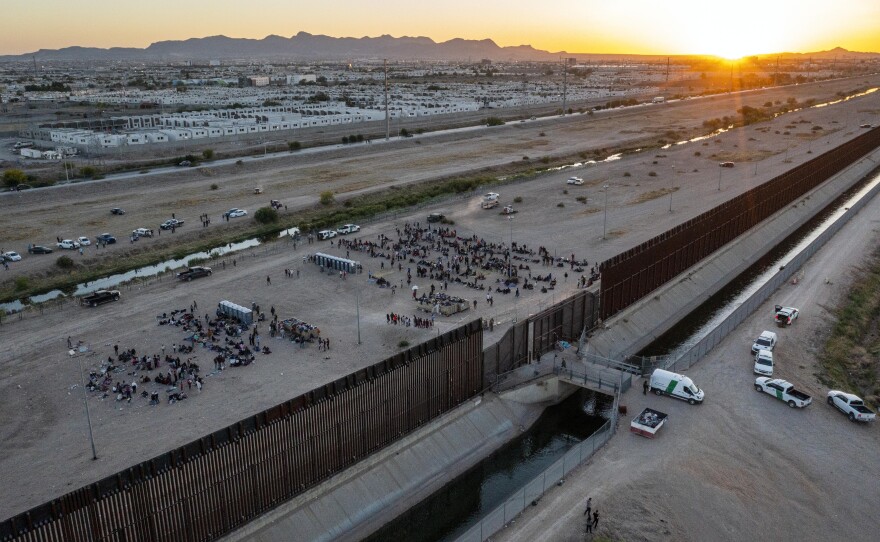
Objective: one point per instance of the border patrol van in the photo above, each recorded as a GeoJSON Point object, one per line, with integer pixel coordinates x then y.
{"type": "Point", "coordinates": [676, 385]}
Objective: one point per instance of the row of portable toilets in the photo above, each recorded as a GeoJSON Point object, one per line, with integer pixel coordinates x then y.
{"type": "Point", "coordinates": [334, 262]}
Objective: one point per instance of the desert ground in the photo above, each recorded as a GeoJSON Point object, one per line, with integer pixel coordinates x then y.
{"type": "Point", "coordinates": [45, 447]}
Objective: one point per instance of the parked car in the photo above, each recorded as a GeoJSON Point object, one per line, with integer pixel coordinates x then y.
{"type": "Point", "coordinates": [100, 297]}
{"type": "Point", "coordinates": [575, 181]}
{"type": "Point", "coordinates": [726, 164]}
{"type": "Point", "coordinates": [675, 385]}
{"type": "Point", "coordinates": [784, 391]}
{"type": "Point", "coordinates": [106, 239]}
{"type": "Point", "coordinates": [347, 228]}
{"type": "Point", "coordinates": [785, 315]}
{"type": "Point", "coordinates": [142, 232]}
{"type": "Point", "coordinates": [83, 241]}
{"type": "Point", "coordinates": [765, 341]}
{"type": "Point", "coordinates": [39, 249]}
{"type": "Point", "coordinates": [851, 405]}
{"type": "Point", "coordinates": [508, 210]}
{"type": "Point", "coordinates": [234, 213]}
{"type": "Point", "coordinates": [323, 235]}
{"type": "Point", "coordinates": [11, 256]}
{"type": "Point", "coordinates": [185, 163]}
{"type": "Point", "coordinates": [764, 363]}
{"type": "Point", "coordinates": [865, 126]}
{"type": "Point", "coordinates": [489, 203]}
{"type": "Point", "coordinates": [491, 196]}
{"type": "Point", "coordinates": [435, 217]}
{"type": "Point", "coordinates": [194, 273]}
{"type": "Point", "coordinates": [117, 211]}
{"type": "Point", "coordinates": [171, 223]}
{"type": "Point", "coordinates": [68, 244]}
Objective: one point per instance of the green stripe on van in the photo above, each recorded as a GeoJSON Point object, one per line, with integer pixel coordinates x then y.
{"type": "Point", "coordinates": [671, 386]}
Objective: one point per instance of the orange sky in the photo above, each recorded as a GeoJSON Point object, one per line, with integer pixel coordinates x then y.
{"type": "Point", "coordinates": [581, 26]}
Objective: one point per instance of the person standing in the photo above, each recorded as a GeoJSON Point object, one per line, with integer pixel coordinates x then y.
{"type": "Point", "coordinates": [645, 387]}
{"type": "Point", "coordinates": [589, 507]}
{"type": "Point", "coordinates": [596, 519]}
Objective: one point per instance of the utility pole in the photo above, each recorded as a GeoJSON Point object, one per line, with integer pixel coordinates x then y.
{"type": "Point", "coordinates": [671, 188]}
{"type": "Point", "coordinates": [564, 83]}
{"type": "Point", "coordinates": [387, 126]}
{"type": "Point", "coordinates": [605, 220]}
{"type": "Point", "coordinates": [667, 69]}
{"type": "Point", "coordinates": [358, 309]}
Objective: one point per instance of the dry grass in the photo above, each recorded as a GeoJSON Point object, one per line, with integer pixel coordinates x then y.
{"type": "Point", "coordinates": [851, 357]}
{"type": "Point", "coordinates": [653, 194]}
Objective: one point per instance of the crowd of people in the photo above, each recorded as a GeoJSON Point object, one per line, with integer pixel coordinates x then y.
{"type": "Point", "coordinates": [416, 321]}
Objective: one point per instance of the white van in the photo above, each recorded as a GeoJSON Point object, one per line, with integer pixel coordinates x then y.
{"type": "Point", "coordinates": [765, 341]}
{"type": "Point", "coordinates": [676, 385]}
{"type": "Point", "coordinates": [764, 363]}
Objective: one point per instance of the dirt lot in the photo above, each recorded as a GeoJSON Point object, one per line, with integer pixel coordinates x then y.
{"type": "Point", "coordinates": [742, 465]}
{"type": "Point", "coordinates": [44, 446]}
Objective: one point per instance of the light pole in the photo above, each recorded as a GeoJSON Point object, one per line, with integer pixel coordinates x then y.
{"type": "Point", "coordinates": [357, 301]}
{"type": "Point", "coordinates": [510, 255]}
{"type": "Point", "coordinates": [671, 188]}
{"type": "Point", "coordinates": [605, 187]}
{"type": "Point", "coordinates": [86, 403]}
{"type": "Point", "coordinates": [720, 171]}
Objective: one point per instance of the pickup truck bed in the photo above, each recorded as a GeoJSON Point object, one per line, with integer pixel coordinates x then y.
{"type": "Point", "coordinates": [648, 422]}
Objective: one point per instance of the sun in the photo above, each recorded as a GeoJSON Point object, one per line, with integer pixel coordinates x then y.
{"type": "Point", "coordinates": [716, 29]}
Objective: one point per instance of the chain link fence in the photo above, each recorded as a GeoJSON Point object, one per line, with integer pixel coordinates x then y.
{"type": "Point", "coordinates": [707, 343]}
{"type": "Point", "coordinates": [501, 516]}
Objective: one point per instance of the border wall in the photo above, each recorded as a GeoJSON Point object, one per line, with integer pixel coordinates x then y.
{"type": "Point", "coordinates": [631, 275]}
{"type": "Point", "coordinates": [217, 483]}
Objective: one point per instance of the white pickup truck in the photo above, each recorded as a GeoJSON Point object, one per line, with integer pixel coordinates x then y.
{"type": "Point", "coordinates": [851, 405]}
{"type": "Point", "coordinates": [784, 391]}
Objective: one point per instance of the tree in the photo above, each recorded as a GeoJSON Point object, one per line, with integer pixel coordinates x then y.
{"type": "Point", "coordinates": [14, 177]}
{"type": "Point", "coordinates": [88, 171]}
{"type": "Point", "coordinates": [326, 197]}
{"type": "Point", "coordinates": [266, 215]}
{"type": "Point", "coordinates": [208, 153]}
{"type": "Point", "coordinates": [294, 145]}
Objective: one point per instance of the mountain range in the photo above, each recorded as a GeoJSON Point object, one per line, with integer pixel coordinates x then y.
{"type": "Point", "coordinates": [305, 46]}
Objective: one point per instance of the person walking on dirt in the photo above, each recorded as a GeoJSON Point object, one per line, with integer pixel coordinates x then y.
{"type": "Point", "coordinates": [589, 507]}
{"type": "Point", "coordinates": [645, 387]}
{"type": "Point", "coordinates": [596, 519]}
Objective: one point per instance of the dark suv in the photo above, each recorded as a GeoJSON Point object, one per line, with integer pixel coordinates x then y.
{"type": "Point", "coordinates": [435, 217]}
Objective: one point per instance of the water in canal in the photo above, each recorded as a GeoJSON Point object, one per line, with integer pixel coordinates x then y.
{"type": "Point", "coordinates": [460, 504]}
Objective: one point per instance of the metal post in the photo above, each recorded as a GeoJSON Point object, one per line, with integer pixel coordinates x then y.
{"type": "Point", "coordinates": [671, 187]}
{"type": "Point", "coordinates": [564, 84]}
{"type": "Point", "coordinates": [86, 403]}
{"type": "Point", "coordinates": [720, 171]}
{"type": "Point", "coordinates": [358, 309]}
{"type": "Point", "coordinates": [605, 220]}
{"type": "Point", "coordinates": [387, 127]}
{"type": "Point", "coordinates": [510, 254]}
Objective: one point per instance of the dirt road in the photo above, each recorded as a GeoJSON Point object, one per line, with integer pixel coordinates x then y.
{"type": "Point", "coordinates": [742, 465]}
{"type": "Point", "coordinates": [44, 448]}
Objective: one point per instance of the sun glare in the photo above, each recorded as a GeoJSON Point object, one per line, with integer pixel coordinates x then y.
{"type": "Point", "coordinates": [715, 30]}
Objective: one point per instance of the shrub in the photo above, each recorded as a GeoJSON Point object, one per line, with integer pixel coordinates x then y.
{"type": "Point", "coordinates": [582, 199]}
{"type": "Point", "coordinates": [560, 204]}
{"type": "Point", "coordinates": [207, 154]}
{"type": "Point", "coordinates": [652, 174]}
{"type": "Point", "coordinates": [345, 140]}
{"type": "Point", "coordinates": [525, 157]}
{"type": "Point", "coordinates": [698, 153]}
{"type": "Point", "coordinates": [239, 162]}
{"type": "Point", "coordinates": [87, 171]}
{"type": "Point", "coordinates": [542, 134]}
{"type": "Point", "coordinates": [266, 215]}
{"type": "Point", "coordinates": [517, 199]}
{"type": "Point", "coordinates": [627, 174]}
{"type": "Point", "coordinates": [565, 191]}
{"type": "Point", "coordinates": [545, 160]}
{"type": "Point", "coordinates": [22, 283]}
{"type": "Point", "coordinates": [494, 121]}
{"type": "Point", "coordinates": [14, 177]}
{"type": "Point", "coordinates": [326, 197]}
{"type": "Point", "coordinates": [403, 344]}
{"type": "Point", "coordinates": [294, 145]}
{"type": "Point", "coordinates": [214, 186]}
{"type": "Point", "coordinates": [64, 262]}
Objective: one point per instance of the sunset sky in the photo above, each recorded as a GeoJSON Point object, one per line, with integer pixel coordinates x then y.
{"type": "Point", "coordinates": [730, 29]}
